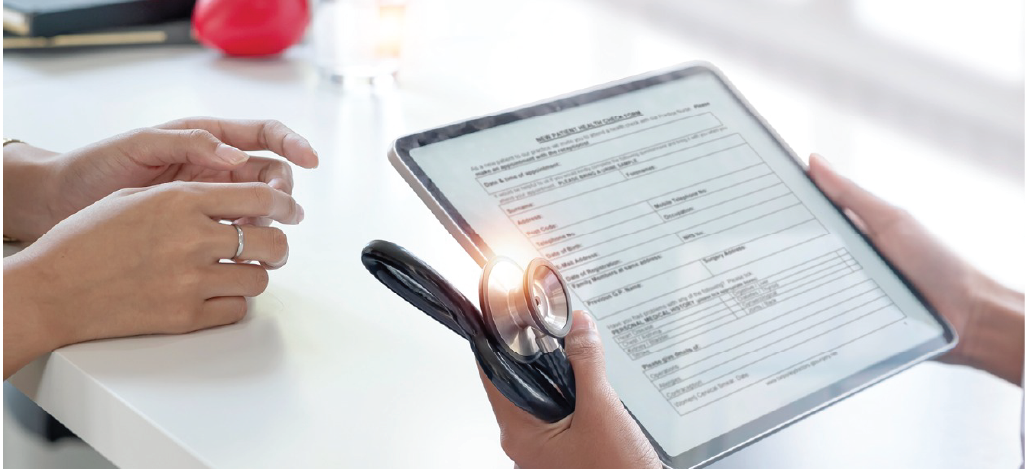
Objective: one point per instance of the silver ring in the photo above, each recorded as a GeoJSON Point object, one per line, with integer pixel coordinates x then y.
{"type": "Point", "coordinates": [241, 242]}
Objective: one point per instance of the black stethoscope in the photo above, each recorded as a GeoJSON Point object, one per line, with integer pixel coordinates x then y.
{"type": "Point", "coordinates": [518, 340]}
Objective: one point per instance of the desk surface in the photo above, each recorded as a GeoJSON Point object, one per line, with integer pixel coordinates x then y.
{"type": "Point", "coordinates": [328, 370]}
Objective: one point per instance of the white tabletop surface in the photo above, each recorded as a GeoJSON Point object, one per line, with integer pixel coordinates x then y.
{"type": "Point", "coordinates": [331, 370]}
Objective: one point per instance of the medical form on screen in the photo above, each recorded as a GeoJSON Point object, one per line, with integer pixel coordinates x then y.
{"type": "Point", "coordinates": [724, 285]}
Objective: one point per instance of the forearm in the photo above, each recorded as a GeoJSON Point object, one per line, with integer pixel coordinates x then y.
{"type": "Point", "coordinates": [28, 189]}
{"type": "Point", "coordinates": [995, 341]}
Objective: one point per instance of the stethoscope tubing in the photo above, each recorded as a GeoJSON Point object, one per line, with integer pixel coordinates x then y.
{"type": "Point", "coordinates": [545, 387]}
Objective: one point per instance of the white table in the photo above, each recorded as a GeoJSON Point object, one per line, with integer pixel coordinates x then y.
{"type": "Point", "coordinates": [330, 370]}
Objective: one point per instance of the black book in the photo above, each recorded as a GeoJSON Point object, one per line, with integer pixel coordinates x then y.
{"type": "Point", "coordinates": [54, 17]}
{"type": "Point", "coordinates": [173, 32]}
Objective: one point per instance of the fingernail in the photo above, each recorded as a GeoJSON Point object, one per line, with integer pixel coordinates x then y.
{"type": "Point", "coordinates": [283, 261]}
{"type": "Point", "coordinates": [316, 154]}
{"type": "Point", "coordinates": [823, 159]}
{"type": "Point", "coordinates": [586, 322]}
{"type": "Point", "coordinates": [301, 212]}
{"type": "Point", "coordinates": [230, 154]}
{"type": "Point", "coordinates": [277, 183]}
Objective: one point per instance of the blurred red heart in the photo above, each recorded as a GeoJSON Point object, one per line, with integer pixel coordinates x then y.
{"type": "Point", "coordinates": [250, 27]}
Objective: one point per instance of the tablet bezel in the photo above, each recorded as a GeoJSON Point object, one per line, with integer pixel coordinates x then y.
{"type": "Point", "coordinates": [765, 425]}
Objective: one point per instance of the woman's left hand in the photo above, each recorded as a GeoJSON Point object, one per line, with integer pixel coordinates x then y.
{"type": "Point", "coordinates": [48, 187]}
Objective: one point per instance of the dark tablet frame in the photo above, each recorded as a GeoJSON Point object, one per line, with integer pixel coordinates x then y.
{"type": "Point", "coordinates": [724, 444]}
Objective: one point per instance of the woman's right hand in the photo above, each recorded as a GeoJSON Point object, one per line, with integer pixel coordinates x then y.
{"type": "Point", "coordinates": [143, 261]}
{"type": "Point", "coordinates": [599, 434]}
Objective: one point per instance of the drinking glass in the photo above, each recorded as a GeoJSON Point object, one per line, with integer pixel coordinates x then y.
{"type": "Point", "coordinates": [358, 40]}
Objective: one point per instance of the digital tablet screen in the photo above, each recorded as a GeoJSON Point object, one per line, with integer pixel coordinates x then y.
{"type": "Point", "coordinates": [731, 296]}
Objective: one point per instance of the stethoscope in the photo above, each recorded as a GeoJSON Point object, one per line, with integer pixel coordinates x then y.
{"type": "Point", "coordinates": [517, 335]}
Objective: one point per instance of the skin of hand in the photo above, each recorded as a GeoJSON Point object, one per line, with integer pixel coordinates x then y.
{"type": "Point", "coordinates": [986, 315]}
{"type": "Point", "coordinates": [42, 187]}
{"type": "Point", "coordinates": [142, 261]}
{"type": "Point", "coordinates": [600, 434]}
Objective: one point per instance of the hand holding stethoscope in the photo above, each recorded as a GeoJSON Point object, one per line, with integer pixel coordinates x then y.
{"type": "Point", "coordinates": [517, 334]}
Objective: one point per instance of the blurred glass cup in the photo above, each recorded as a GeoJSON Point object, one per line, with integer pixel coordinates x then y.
{"type": "Point", "coordinates": [358, 40]}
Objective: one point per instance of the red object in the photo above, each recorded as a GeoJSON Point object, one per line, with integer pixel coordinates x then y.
{"type": "Point", "coordinates": [250, 27]}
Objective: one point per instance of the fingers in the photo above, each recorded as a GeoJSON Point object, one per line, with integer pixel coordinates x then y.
{"type": "Point", "coordinates": [257, 202]}
{"type": "Point", "coordinates": [873, 213]}
{"type": "Point", "coordinates": [231, 201]}
{"type": "Point", "coordinates": [517, 428]}
{"type": "Point", "coordinates": [265, 244]}
{"type": "Point", "coordinates": [510, 418]}
{"type": "Point", "coordinates": [583, 348]}
{"type": "Point", "coordinates": [221, 311]}
{"type": "Point", "coordinates": [275, 173]}
{"type": "Point", "coordinates": [241, 280]}
{"type": "Point", "coordinates": [159, 147]}
{"type": "Point", "coordinates": [227, 287]}
{"type": "Point", "coordinates": [585, 353]}
{"type": "Point", "coordinates": [254, 135]}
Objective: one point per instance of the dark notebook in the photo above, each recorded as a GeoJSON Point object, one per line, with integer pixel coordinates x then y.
{"type": "Point", "coordinates": [173, 32]}
{"type": "Point", "coordinates": [55, 17]}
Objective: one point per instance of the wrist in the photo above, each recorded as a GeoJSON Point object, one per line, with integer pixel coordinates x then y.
{"type": "Point", "coordinates": [29, 190]}
{"type": "Point", "coordinates": [31, 326]}
{"type": "Point", "coordinates": [994, 340]}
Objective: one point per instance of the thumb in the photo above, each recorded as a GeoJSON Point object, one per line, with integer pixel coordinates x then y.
{"type": "Point", "coordinates": [584, 351]}
{"type": "Point", "coordinates": [873, 214]}
{"type": "Point", "coordinates": [158, 147]}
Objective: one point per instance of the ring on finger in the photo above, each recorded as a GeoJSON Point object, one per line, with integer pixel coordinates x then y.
{"type": "Point", "coordinates": [241, 242]}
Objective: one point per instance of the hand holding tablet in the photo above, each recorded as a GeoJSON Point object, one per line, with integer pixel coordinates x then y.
{"type": "Point", "coordinates": [951, 284]}
{"type": "Point", "coordinates": [600, 434]}
{"type": "Point", "coordinates": [732, 296]}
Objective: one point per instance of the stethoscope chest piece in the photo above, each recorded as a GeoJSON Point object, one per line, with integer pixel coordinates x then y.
{"type": "Point", "coordinates": [528, 311]}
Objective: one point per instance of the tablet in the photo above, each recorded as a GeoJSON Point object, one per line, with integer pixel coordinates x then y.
{"type": "Point", "coordinates": [732, 297]}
